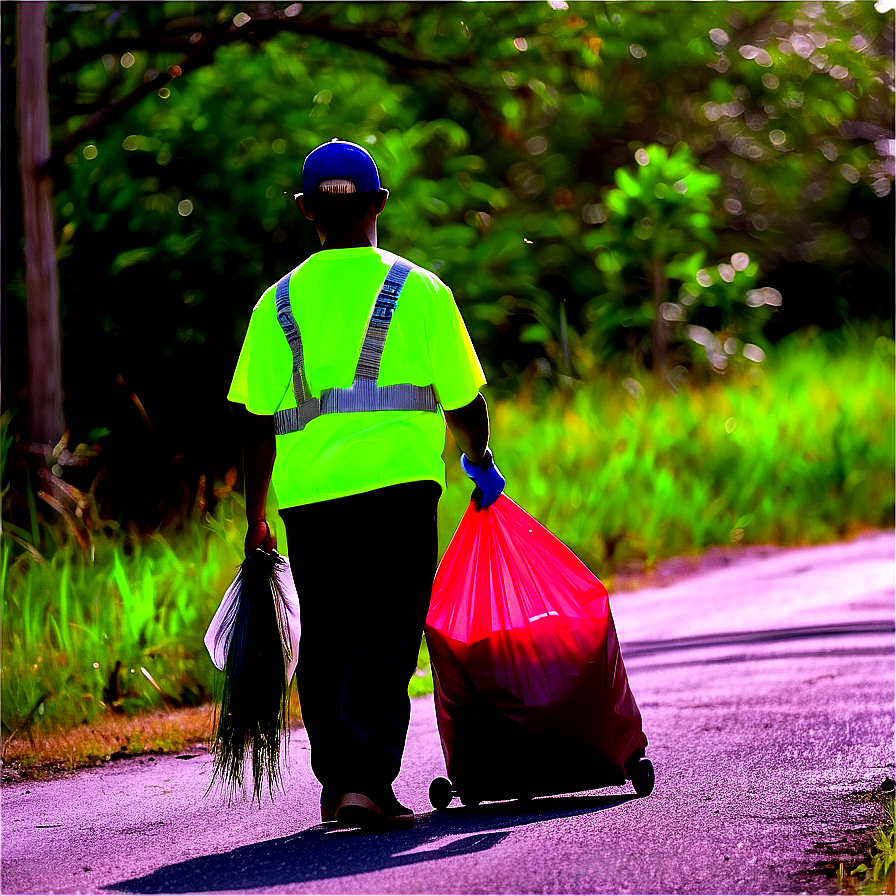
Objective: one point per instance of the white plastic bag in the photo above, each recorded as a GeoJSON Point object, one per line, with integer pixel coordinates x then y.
{"type": "Point", "coordinates": [287, 618]}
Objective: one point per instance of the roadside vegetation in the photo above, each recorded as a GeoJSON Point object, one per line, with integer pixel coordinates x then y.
{"type": "Point", "coordinates": [877, 875]}
{"type": "Point", "coordinates": [102, 630]}
{"type": "Point", "coordinates": [673, 256]}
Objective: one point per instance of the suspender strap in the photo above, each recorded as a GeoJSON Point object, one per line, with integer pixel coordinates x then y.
{"type": "Point", "coordinates": [378, 326]}
{"type": "Point", "coordinates": [308, 407]}
{"type": "Point", "coordinates": [363, 394]}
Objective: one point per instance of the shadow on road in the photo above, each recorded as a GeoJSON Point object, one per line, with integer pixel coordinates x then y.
{"type": "Point", "coordinates": [760, 636]}
{"type": "Point", "coordinates": [325, 851]}
{"type": "Point", "coordinates": [636, 653]}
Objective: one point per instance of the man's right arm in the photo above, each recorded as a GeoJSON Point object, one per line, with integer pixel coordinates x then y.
{"type": "Point", "coordinates": [469, 428]}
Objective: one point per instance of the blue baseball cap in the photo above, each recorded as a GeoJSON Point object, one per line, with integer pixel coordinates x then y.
{"type": "Point", "coordinates": [340, 161]}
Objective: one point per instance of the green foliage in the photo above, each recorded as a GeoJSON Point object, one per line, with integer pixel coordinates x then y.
{"type": "Point", "coordinates": [503, 130]}
{"type": "Point", "coordinates": [120, 634]}
{"type": "Point", "coordinates": [625, 471]}
{"type": "Point", "coordinates": [622, 471]}
{"type": "Point", "coordinates": [659, 225]}
{"type": "Point", "coordinates": [877, 876]}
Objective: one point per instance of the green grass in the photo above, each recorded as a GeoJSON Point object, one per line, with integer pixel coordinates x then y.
{"type": "Point", "coordinates": [121, 634]}
{"type": "Point", "coordinates": [621, 469]}
{"type": "Point", "coordinates": [875, 876]}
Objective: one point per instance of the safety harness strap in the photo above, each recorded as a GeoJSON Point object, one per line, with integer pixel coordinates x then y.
{"type": "Point", "coordinates": [380, 318]}
{"type": "Point", "coordinates": [363, 394]}
{"type": "Point", "coordinates": [308, 407]}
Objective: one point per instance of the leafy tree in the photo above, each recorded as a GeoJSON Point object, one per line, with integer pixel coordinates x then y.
{"type": "Point", "coordinates": [658, 226]}
{"type": "Point", "coordinates": [500, 128]}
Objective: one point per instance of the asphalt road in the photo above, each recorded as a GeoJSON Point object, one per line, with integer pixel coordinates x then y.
{"type": "Point", "coordinates": [767, 691]}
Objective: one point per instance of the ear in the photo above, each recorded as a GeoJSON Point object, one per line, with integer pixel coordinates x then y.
{"type": "Point", "coordinates": [300, 198]}
{"type": "Point", "coordinates": [381, 199]}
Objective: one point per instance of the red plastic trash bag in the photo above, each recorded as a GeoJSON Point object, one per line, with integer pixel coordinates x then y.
{"type": "Point", "coordinates": [531, 693]}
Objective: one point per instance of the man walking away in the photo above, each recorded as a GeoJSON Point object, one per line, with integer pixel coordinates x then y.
{"type": "Point", "coordinates": [351, 367]}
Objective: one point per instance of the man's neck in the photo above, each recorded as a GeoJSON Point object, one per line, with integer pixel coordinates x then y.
{"type": "Point", "coordinates": [358, 237]}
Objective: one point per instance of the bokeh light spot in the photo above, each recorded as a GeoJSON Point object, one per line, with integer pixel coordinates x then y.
{"type": "Point", "coordinates": [700, 335]}
{"type": "Point", "coordinates": [802, 46]}
{"type": "Point", "coordinates": [672, 311]}
{"type": "Point", "coordinates": [594, 213]}
{"type": "Point", "coordinates": [754, 353]}
{"type": "Point", "coordinates": [772, 296]}
{"type": "Point", "coordinates": [758, 54]}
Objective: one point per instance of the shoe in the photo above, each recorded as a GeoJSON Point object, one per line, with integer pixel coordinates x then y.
{"type": "Point", "coordinates": [328, 804]}
{"type": "Point", "coordinates": [355, 810]}
{"type": "Point", "coordinates": [327, 813]}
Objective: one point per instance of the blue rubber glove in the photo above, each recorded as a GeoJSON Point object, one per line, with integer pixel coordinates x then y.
{"type": "Point", "coordinates": [488, 479]}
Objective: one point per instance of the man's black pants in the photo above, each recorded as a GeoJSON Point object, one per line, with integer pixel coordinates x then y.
{"type": "Point", "coordinates": [363, 567]}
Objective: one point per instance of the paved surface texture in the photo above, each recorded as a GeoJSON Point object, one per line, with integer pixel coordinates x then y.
{"type": "Point", "coordinates": [766, 687]}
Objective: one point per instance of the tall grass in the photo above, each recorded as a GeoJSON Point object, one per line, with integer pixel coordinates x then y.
{"type": "Point", "coordinates": [121, 634]}
{"type": "Point", "coordinates": [620, 468]}
{"type": "Point", "coordinates": [624, 470]}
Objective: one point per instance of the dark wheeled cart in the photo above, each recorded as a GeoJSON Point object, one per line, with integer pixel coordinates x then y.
{"type": "Point", "coordinates": [496, 753]}
{"type": "Point", "coordinates": [441, 791]}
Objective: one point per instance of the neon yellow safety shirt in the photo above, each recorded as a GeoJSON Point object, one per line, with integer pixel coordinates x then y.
{"type": "Point", "coordinates": [332, 295]}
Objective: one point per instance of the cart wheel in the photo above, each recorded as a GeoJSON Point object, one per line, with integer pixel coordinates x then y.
{"type": "Point", "coordinates": [469, 800]}
{"type": "Point", "coordinates": [440, 793]}
{"type": "Point", "coordinates": [643, 777]}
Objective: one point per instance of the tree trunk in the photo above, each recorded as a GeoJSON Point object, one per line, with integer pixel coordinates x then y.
{"type": "Point", "coordinates": [41, 274]}
{"type": "Point", "coordinates": [659, 336]}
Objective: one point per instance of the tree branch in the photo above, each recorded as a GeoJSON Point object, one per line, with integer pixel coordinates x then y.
{"type": "Point", "coordinates": [176, 39]}
{"type": "Point", "coordinates": [261, 29]}
{"type": "Point", "coordinates": [116, 46]}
